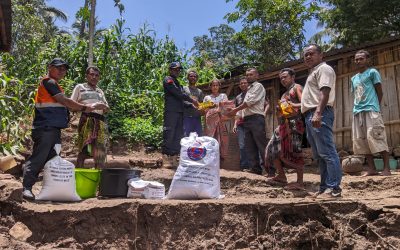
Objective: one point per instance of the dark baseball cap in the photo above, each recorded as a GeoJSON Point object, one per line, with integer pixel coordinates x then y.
{"type": "Point", "coordinates": [59, 62]}
{"type": "Point", "coordinates": [175, 65]}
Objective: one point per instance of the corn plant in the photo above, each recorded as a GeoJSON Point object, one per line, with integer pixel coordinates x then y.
{"type": "Point", "coordinates": [132, 67]}
{"type": "Point", "coordinates": [16, 106]}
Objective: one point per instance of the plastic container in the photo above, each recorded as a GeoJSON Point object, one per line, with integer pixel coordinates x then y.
{"type": "Point", "coordinates": [87, 181]}
{"type": "Point", "coordinates": [114, 181]}
{"type": "Point", "coordinates": [379, 164]}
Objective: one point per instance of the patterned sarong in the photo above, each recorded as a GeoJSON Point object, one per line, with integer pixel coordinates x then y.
{"type": "Point", "coordinates": [216, 126]}
{"type": "Point", "coordinates": [93, 137]}
{"type": "Point", "coordinates": [285, 144]}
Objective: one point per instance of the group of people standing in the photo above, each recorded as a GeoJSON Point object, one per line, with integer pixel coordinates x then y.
{"type": "Point", "coordinates": [308, 109]}
{"type": "Point", "coordinates": [299, 110]}
{"type": "Point", "coordinates": [182, 116]}
{"type": "Point", "coordinates": [52, 114]}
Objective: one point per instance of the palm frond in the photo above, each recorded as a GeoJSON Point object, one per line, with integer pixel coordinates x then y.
{"type": "Point", "coordinates": [56, 13]}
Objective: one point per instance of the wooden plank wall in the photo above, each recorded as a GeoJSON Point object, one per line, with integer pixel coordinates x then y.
{"type": "Point", "coordinates": [272, 93]}
{"type": "Point", "coordinates": [385, 58]}
{"type": "Point", "coordinates": [387, 61]}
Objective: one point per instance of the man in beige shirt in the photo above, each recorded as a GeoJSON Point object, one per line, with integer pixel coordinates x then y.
{"type": "Point", "coordinates": [317, 107]}
{"type": "Point", "coordinates": [254, 121]}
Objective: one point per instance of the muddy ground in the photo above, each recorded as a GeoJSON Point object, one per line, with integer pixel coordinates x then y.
{"type": "Point", "coordinates": [253, 215]}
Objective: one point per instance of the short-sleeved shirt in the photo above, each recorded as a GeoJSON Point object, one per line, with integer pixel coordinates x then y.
{"type": "Point", "coordinates": [52, 87]}
{"type": "Point", "coordinates": [196, 94]}
{"type": "Point", "coordinates": [320, 76]}
{"type": "Point", "coordinates": [85, 94]}
{"type": "Point", "coordinates": [255, 100]}
{"type": "Point", "coordinates": [363, 87]}
{"type": "Point", "coordinates": [216, 99]}
{"type": "Point", "coordinates": [52, 114]}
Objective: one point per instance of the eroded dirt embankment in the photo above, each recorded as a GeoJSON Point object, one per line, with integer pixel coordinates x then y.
{"type": "Point", "coordinates": [253, 215]}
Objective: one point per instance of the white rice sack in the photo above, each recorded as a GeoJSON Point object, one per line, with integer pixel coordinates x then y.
{"type": "Point", "coordinates": [138, 188]}
{"type": "Point", "coordinates": [58, 180]}
{"type": "Point", "coordinates": [197, 176]}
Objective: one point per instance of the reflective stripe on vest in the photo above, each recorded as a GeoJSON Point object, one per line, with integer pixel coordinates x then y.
{"type": "Point", "coordinates": [43, 99]}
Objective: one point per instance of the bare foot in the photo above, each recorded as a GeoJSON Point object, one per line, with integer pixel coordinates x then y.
{"type": "Point", "coordinates": [386, 173]}
{"type": "Point", "coordinates": [370, 173]}
{"type": "Point", "coordinates": [277, 181]}
{"type": "Point", "coordinates": [294, 186]}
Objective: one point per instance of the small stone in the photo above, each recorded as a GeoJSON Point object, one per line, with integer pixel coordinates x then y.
{"type": "Point", "coordinates": [20, 231]}
{"type": "Point", "coordinates": [7, 162]}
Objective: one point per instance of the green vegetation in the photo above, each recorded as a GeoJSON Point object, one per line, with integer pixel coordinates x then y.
{"type": "Point", "coordinates": [16, 107]}
{"type": "Point", "coordinates": [358, 21]}
{"type": "Point", "coordinates": [272, 29]}
{"type": "Point", "coordinates": [133, 65]}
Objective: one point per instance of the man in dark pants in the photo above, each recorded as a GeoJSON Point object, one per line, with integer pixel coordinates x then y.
{"type": "Point", "coordinates": [254, 121]}
{"type": "Point", "coordinates": [51, 115]}
{"type": "Point", "coordinates": [238, 126]}
{"type": "Point", "coordinates": [191, 115]}
{"type": "Point", "coordinates": [173, 115]}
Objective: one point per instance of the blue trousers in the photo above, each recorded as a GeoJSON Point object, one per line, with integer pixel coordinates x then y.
{"type": "Point", "coordinates": [324, 150]}
{"type": "Point", "coordinates": [192, 124]}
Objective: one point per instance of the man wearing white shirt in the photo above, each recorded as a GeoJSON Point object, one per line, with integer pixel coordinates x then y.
{"type": "Point", "coordinates": [254, 121]}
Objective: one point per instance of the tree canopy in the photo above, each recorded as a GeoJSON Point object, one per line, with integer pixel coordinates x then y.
{"type": "Point", "coordinates": [273, 30]}
{"type": "Point", "coordinates": [357, 21]}
{"type": "Point", "coordinates": [220, 49]}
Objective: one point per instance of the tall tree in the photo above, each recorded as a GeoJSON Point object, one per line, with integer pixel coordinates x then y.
{"type": "Point", "coordinates": [272, 29]}
{"type": "Point", "coordinates": [83, 15]}
{"type": "Point", "coordinates": [33, 15]}
{"type": "Point", "coordinates": [357, 21]}
{"type": "Point", "coordinates": [91, 30]}
{"type": "Point", "coordinates": [220, 49]}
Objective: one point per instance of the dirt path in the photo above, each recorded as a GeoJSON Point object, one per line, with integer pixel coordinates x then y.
{"type": "Point", "coordinates": [253, 215]}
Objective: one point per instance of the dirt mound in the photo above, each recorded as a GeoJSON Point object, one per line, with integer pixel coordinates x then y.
{"type": "Point", "coordinates": [252, 215]}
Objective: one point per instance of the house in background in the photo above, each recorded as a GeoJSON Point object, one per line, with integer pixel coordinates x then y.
{"type": "Point", "coordinates": [385, 55]}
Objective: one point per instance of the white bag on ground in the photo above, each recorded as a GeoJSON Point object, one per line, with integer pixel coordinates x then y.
{"type": "Point", "coordinates": [138, 188]}
{"type": "Point", "coordinates": [58, 180]}
{"type": "Point", "coordinates": [197, 176]}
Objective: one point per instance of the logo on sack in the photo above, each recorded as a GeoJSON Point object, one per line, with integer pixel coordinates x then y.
{"type": "Point", "coordinates": [196, 153]}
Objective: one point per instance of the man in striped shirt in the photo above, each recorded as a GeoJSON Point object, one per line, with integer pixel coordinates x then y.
{"type": "Point", "coordinates": [92, 129]}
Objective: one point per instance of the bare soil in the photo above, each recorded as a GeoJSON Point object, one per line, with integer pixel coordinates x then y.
{"type": "Point", "coordinates": [253, 215]}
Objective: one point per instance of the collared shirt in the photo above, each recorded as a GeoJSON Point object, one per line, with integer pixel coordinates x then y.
{"type": "Point", "coordinates": [85, 94]}
{"type": "Point", "coordinates": [320, 76]}
{"type": "Point", "coordinates": [255, 100]}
